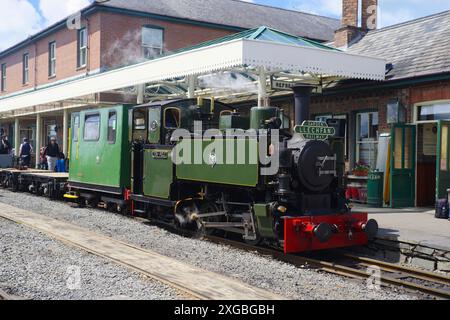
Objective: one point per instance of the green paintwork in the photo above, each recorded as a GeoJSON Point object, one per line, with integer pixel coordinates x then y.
{"type": "Point", "coordinates": [442, 176]}
{"type": "Point", "coordinates": [259, 115]}
{"type": "Point", "coordinates": [375, 188]}
{"type": "Point", "coordinates": [403, 179]}
{"type": "Point", "coordinates": [100, 162]}
{"type": "Point", "coordinates": [262, 34]}
{"type": "Point", "coordinates": [245, 174]}
{"type": "Point", "coordinates": [158, 177]}
{"type": "Point", "coordinates": [154, 119]}
{"type": "Point", "coordinates": [264, 220]}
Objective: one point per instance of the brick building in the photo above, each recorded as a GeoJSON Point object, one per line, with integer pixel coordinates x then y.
{"type": "Point", "coordinates": [116, 33]}
{"type": "Point", "coordinates": [417, 83]}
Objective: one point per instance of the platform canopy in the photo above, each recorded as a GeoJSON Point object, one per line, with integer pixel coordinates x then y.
{"type": "Point", "coordinates": [234, 68]}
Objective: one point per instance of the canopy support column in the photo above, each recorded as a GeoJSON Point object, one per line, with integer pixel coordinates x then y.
{"type": "Point", "coordinates": [140, 89]}
{"type": "Point", "coordinates": [191, 86]}
{"type": "Point", "coordinates": [17, 137]}
{"type": "Point", "coordinates": [38, 138]}
{"type": "Point", "coordinates": [65, 131]}
{"type": "Point", "coordinates": [263, 100]}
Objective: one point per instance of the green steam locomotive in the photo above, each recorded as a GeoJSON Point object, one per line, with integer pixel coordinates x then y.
{"type": "Point", "coordinates": [199, 165]}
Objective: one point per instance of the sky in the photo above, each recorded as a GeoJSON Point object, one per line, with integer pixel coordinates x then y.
{"type": "Point", "coordinates": [22, 18]}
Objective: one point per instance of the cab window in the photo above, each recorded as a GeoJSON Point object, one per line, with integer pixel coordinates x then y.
{"type": "Point", "coordinates": [112, 127]}
{"type": "Point", "coordinates": [139, 125]}
{"type": "Point", "coordinates": [172, 118]}
{"type": "Point", "coordinates": [92, 127]}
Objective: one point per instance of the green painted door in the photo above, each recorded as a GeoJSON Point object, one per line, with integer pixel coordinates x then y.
{"type": "Point", "coordinates": [403, 166]}
{"type": "Point", "coordinates": [443, 160]}
{"type": "Point", "coordinates": [158, 173]}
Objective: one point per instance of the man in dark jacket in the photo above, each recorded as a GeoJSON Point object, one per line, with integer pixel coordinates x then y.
{"type": "Point", "coordinates": [25, 153]}
{"type": "Point", "coordinates": [52, 153]}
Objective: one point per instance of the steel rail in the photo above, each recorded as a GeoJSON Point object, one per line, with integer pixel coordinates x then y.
{"type": "Point", "coordinates": [353, 272]}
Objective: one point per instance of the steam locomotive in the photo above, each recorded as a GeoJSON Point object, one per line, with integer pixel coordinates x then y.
{"type": "Point", "coordinates": [202, 167]}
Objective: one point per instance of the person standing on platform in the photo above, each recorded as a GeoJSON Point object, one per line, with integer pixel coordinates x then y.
{"type": "Point", "coordinates": [25, 153]}
{"type": "Point", "coordinates": [52, 153]}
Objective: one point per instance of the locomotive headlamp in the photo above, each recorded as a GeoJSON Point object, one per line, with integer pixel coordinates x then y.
{"type": "Point", "coordinates": [282, 209]}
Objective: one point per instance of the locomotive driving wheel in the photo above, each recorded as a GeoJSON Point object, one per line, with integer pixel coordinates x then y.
{"type": "Point", "coordinates": [189, 218]}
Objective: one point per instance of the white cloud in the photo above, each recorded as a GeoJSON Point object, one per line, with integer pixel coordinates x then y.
{"type": "Point", "coordinates": [19, 20]}
{"type": "Point", "coordinates": [331, 8]}
{"type": "Point", "coordinates": [54, 10]}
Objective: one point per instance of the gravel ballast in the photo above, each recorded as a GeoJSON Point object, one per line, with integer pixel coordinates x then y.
{"type": "Point", "coordinates": [34, 266]}
{"type": "Point", "coordinates": [263, 272]}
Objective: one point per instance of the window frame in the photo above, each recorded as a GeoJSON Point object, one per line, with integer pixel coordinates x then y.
{"type": "Point", "coordinates": [86, 116]}
{"type": "Point", "coordinates": [165, 118]}
{"type": "Point", "coordinates": [3, 68]}
{"type": "Point", "coordinates": [110, 114]}
{"type": "Point", "coordinates": [358, 142]}
{"type": "Point", "coordinates": [25, 68]}
{"type": "Point", "coordinates": [144, 46]}
{"type": "Point", "coordinates": [82, 48]}
{"type": "Point", "coordinates": [52, 59]}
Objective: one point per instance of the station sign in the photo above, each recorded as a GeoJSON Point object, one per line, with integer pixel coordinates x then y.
{"type": "Point", "coordinates": [315, 130]}
{"type": "Point", "coordinates": [282, 85]}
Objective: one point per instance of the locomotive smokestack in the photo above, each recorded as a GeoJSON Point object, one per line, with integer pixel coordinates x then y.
{"type": "Point", "coordinates": [302, 97]}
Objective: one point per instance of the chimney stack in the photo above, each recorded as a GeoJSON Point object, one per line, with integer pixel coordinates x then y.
{"type": "Point", "coordinates": [350, 29]}
{"type": "Point", "coordinates": [350, 13]}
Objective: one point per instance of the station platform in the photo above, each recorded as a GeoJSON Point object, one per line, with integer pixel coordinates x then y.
{"type": "Point", "coordinates": [411, 236]}
{"type": "Point", "coordinates": [411, 225]}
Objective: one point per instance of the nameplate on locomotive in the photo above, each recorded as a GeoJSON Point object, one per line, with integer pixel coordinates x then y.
{"type": "Point", "coordinates": [160, 155]}
{"type": "Point", "coordinates": [315, 130]}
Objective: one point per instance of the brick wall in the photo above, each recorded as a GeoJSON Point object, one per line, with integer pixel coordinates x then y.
{"type": "Point", "coordinates": [66, 57]}
{"type": "Point", "coordinates": [121, 37]}
{"type": "Point", "coordinates": [113, 38]}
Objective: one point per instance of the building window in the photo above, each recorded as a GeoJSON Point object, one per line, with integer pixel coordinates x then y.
{"type": "Point", "coordinates": [82, 48]}
{"type": "Point", "coordinates": [92, 127]}
{"type": "Point", "coordinates": [438, 111]}
{"type": "Point", "coordinates": [367, 138]}
{"type": "Point", "coordinates": [52, 59]}
{"type": "Point", "coordinates": [3, 80]}
{"type": "Point", "coordinates": [112, 127]}
{"type": "Point", "coordinates": [152, 42]}
{"type": "Point", "coordinates": [25, 69]}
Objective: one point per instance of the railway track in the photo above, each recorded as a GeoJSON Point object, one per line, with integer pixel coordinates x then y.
{"type": "Point", "coordinates": [432, 284]}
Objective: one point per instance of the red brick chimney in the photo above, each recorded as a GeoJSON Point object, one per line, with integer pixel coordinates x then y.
{"type": "Point", "coordinates": [350, 30]}
{"type": "Point", "coordinates": [350, 13]}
